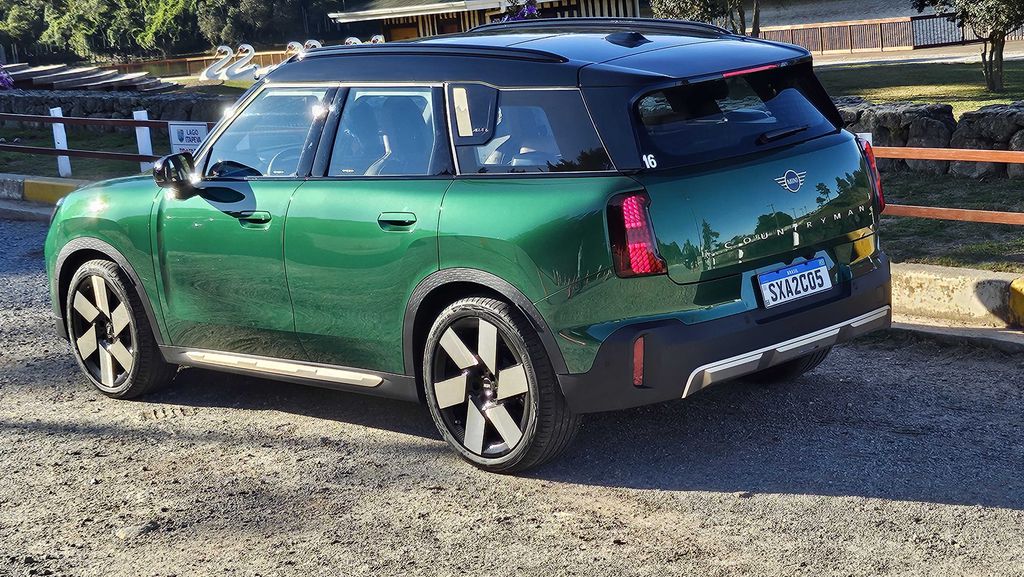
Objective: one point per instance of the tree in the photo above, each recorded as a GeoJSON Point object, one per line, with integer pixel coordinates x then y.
{"type": "Point", "coordinates": [731, 12]}
{"type": "Point", "coordinates": [991, 20]}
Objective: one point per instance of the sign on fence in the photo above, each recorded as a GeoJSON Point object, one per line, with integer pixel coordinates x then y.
{"type": "Point", "coordinates": [186, 136]}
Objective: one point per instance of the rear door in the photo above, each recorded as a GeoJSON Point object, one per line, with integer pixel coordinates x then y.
{"type": "Point", "coordinates": [362, 233]}
{"type": "Point", "coordinates": [749, 169]}
{"type": "Point", "coordinates": [219, 246]}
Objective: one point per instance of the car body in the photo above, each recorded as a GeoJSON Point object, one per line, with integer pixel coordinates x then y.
{"type": "Point", "coordinates": [636, 208]}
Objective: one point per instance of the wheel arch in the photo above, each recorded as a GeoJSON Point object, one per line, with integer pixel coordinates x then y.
{"type": "Point", "coordinates": [80, 250]}
{"type": "Point", "coordinates": [446, 286]}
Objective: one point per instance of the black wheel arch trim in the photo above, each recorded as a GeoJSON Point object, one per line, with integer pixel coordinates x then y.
{"type": "Point", "coordinates": [91, 244]}
{"type": "Point", "coordinates": [448, 276]}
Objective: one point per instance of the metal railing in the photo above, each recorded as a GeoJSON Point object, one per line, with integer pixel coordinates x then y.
{"type": "Point", "coordinates": [141, 124]}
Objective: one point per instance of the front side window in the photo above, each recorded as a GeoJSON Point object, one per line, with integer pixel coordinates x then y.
{"type": "Point", "coordinates": [269, 134]}
{"type": "Point", "coordinates": [728, 117]}
{"type": "Point", "coordinates": [528, 131]}
{"type": "Point", "coordinates": [389, 132]}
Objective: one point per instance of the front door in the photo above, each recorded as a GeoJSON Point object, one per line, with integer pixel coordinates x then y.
{"type": "Point", "coordinates": [220, 246]}
{"type": "Point", "coordinates": [363, 231]}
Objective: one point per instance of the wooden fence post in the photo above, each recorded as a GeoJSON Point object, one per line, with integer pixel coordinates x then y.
{"type": "Point", "coordinates": [60, 142]}
{"type": "Point", "coordinates": [143, 138]}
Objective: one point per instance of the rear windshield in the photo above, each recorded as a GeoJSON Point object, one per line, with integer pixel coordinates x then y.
{"type": "Point", "coordinates": [727, 117]}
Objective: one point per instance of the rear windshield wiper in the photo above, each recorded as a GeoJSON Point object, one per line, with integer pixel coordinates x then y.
{"type": "Point", "coordinates": [773, 135]}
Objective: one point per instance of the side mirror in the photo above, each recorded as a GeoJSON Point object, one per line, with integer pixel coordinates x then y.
{"type": "Point", "coordinates": [174, 171]}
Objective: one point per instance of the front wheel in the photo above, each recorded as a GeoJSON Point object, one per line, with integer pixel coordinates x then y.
{"type": "Point", "coordinates": [491, 390]}
{"type": "Point", "coordinates": [110, 334]}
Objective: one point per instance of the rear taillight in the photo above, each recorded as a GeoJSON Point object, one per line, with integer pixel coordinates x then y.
{"type": "Point", "coordinates": [634, 247]}
{"type": "Point", "coordinates": [875, 177]}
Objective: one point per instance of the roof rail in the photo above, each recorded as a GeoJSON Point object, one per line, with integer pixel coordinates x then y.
{"type": "Point", "coordinates": [439, 49]}
{"type": "Point", "coordinates": [654, 25]}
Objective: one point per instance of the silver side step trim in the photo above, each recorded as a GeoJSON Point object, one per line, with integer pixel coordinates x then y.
{"type": "Point", "coordinates": [753, 361]}
{"type": "Point", "coordinates": [283, 368]}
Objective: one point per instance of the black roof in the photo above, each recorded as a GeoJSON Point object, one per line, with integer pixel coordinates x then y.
{"type": "Point", "coordinates": [553, 52]}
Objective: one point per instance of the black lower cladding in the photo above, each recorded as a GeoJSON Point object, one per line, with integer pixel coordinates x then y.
{"type": "Point", "coordinates": [673, 350]}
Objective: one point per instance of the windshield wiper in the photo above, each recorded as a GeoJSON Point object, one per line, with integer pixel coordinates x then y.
{"type": "Point", "coordinates": [773, 135]}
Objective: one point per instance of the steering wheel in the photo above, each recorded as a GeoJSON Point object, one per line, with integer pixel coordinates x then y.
{"type": "Point", "coordinates": [286, 158]}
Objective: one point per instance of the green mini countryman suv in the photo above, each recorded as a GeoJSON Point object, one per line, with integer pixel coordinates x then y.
{"type": "Point", "coordinates": [515, 226]}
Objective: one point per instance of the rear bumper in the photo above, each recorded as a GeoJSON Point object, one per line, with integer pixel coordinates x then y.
{"type": "Point", "coordinates": [681, 359]}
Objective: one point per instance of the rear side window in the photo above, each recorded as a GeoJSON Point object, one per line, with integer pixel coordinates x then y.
{"type": "Point", "coordinates": [732, 116]}
{"type": "Point", "coordinates": [389, 132]}
{"type": "Point", "coordinates": [524, 131]}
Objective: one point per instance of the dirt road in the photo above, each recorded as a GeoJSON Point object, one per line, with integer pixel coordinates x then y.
{"type": "Point", "coordinates": [896, 457]}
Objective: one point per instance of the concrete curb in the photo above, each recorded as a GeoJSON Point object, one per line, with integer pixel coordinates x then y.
{"type": "Point", "coordinates": [21, 210]}
{"type": "Point", "coordinates": [38, 189]}
{"type": "Point", "coordinates": [958, 295]}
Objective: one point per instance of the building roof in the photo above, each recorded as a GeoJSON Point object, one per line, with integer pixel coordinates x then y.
{"type": "Point", "coordinates": [360, 10]}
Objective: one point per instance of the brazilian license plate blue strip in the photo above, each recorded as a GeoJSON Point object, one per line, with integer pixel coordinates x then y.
{"type": "Point", "coordinates": [794, 282]}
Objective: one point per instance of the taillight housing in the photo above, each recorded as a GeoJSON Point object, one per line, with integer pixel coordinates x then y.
{"type": "Point", "coordinates": [875, 177]}
{"type": "Point", "coordinates": [634, 246]}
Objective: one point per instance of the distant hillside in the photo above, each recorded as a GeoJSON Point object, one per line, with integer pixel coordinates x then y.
{"type": "Point", "coordinates": [786, 12]}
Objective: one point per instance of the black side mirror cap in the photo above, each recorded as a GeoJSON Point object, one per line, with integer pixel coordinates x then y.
{"type": "Point", "coordinates": [174, 171]}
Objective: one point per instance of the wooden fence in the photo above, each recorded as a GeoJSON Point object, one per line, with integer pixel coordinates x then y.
{"type": "Point", "coordinates": [953, 155]}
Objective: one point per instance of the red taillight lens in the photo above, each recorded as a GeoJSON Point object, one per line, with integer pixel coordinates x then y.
{"type": "Point", "coordinates": [634, 248]}
{"type": "Point", "coordinates": [875, 177]}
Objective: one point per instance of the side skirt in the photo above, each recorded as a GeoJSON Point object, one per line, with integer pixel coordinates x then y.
{"type": "Point", "coordinates": [401, 387]}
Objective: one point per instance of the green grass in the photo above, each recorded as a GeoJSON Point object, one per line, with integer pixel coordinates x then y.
{"type": "Point", "coordinates": [216, 87]}
{"type": "Point", "coordinates": [949, 243]}
{"type": "Point", "coordinates": [85, 168]}
{"type": "Point", "coordinates": [961, 85]}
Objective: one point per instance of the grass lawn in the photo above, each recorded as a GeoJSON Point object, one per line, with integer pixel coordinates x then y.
{"type": "Point", "coordinates": [975, 245]}
{"type": "Point", "coordinates": [961, 85]}
{"type": "Point", "coordinates": [86, 168]}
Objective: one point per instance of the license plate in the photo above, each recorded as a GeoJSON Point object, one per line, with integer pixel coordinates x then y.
{"type": "Point", "coordinates": [794, 282]}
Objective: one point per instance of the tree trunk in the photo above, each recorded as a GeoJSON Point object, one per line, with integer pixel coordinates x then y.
{"type": "Point", "coordinates": [995, 80]}
{"type": "Point", "coordinates": [755, 26]}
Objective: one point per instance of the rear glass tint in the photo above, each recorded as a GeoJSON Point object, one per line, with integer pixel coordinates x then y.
{"type": "Point", "coordinates": [727, 117]}
{"type": "Point", "coordinates": [533, 131]}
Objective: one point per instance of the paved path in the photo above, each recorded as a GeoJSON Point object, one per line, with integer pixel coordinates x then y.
{"type": "Point", "coordinates": [897, 457]}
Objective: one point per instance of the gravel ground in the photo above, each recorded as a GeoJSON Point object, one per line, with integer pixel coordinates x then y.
{"type": "Point", "coordinates": [898, 456]}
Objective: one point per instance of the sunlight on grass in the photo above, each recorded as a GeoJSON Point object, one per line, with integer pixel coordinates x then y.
{"type": "Point", "coordinates": [960, 85]}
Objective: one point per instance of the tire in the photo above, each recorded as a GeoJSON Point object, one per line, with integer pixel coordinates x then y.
{"type": "Point", "coordinates": [110, 335]}
{"type": "Point", "coordinates": [502, 411]}
{"type": "Point", "coordinates": [790, 370]}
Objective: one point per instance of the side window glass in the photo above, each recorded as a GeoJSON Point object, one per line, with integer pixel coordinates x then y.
{"type": "Point", "coordinates": [533, 131]}
{"type": "Point", "coordinates": [388, 132]}
{"type": "Point", "coordinates": [269, 134]}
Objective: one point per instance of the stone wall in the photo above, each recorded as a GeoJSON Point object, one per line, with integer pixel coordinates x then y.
{"type": "Point", "coordinates": [996, 127]}
{"type": "Point", "coordinates": [177, 106]}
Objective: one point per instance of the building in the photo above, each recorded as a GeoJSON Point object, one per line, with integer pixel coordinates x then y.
{"type": "Point", "coordinates": [405, 19]}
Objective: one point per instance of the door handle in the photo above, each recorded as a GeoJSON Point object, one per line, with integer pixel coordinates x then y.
{"type": "Point", "coordinates": [256, 219]}
{"type": "Point", "coordinates": [396, 221]}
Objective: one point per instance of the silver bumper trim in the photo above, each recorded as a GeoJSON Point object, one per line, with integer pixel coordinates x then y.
{"type": "Point", "coordinates": [769, 356]}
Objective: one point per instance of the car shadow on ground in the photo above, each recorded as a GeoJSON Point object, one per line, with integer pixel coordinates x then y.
{"type": "Point", "coordinates": [823, 434]}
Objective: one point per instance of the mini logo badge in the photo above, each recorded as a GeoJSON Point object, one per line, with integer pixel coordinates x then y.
{"type": "Point", "coordinates": [792, 181]}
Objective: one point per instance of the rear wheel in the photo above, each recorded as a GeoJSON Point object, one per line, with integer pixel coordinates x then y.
{"type": "Point", "coordinates": [790, 370]}
{"type": "Point", "coordinates": [110, 334]}
{"type": "Point", "coordinates": [491, 389]}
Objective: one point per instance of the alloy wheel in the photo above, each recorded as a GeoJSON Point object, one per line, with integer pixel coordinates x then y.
{"type": "Point", "coordinates": [101, 329]}
{"type": "Point", "coordinates": [482, 390]}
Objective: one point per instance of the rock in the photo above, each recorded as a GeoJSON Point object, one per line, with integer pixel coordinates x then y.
{"type": "Point", "coordinates": [975, 169]}
{"type": "Point", "coordinates": [1016, 143]}
{"type": "Point", "coordinates": [929, 133]}
{"type": "Point", "coordinates": [135, 531]}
